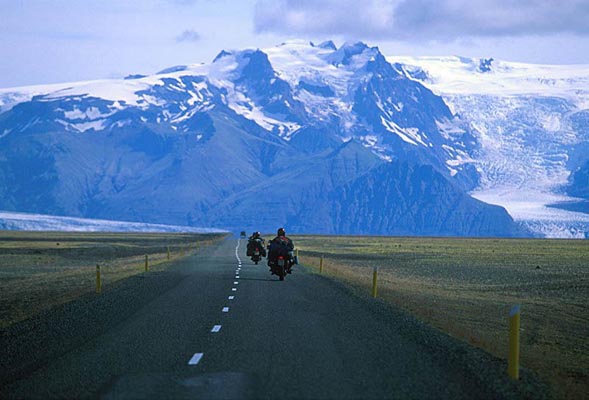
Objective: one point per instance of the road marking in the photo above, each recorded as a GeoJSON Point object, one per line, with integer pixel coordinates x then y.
{"type": "Point", "coordinates": [236, 283]}
{"type": "Point", "coordinates": [195, 359]}
{"type": "Point", "coordinates": [216, 328]}
{"type": "Point", "coordinates": [234, 289]}
{"type": "Point", "coordinates": [231, 297]}
{"type": "Point", "coordinates": [225, 309]}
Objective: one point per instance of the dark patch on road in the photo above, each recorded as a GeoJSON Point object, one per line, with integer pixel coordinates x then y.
{"type": "Point", "coordinates": [220, 385]}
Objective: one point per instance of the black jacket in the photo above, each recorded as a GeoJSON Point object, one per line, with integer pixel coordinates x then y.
{"type": "Point", "coordinates": [279, 244]}
{"type": "Point", "coordinates": [256, 242]}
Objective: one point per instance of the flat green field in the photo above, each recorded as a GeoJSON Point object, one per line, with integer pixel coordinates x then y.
{"type": "Point", "coordinates": [466, 288]}
{"type": "Point", "coordinates": [39, 270]}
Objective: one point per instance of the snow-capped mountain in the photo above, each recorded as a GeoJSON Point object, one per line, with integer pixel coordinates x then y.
{"type": "Point", "coordinates": [532, 126]}
{"type": "Point", "coordinates": [314, 137]}
{"type": "Point", "coordinates": [287, 89]}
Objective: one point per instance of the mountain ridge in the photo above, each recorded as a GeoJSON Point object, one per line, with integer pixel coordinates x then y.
{"type": "Point", "coordinates": [206, 143]}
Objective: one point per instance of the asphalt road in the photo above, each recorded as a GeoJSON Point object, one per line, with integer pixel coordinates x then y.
{"type": "Point", "coordinates": [228, 329]}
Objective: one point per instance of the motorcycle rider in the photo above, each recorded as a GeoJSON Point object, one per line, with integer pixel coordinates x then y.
{"type": "Point", "coordinates": [256, 240]}
{"type": "Point", "coordinates": [277, 245]}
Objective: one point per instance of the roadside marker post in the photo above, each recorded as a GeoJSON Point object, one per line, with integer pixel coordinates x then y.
{"type": "Point", "coordinates": [98, 280]}
{"type": "Point", "coordinates": [321, 265]}
{"type": "Point", "coordinates": [513, 360]}
{"type": "Point", "coordinates": [374, 281]}
{"type": "Point", "coordinates": [168, 252]}
{"type": "Point", "coordinates": [146, 263]}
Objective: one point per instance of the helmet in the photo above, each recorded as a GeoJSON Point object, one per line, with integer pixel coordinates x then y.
{"type": "Point", "coordinates": [281, 232]}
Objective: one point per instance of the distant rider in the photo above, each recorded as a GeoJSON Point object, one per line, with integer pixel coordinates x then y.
{"type": "Point", "coordinates": [281, 245]}
{"type": "Point", "coordinates": [256, 240]}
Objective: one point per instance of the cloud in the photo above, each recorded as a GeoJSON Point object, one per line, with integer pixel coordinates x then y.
{"type": "Point", "coordinates": [192, 2]}
{"type": "Point", "coordinates": [188, 35]}
{"type": "Point", "coordinates": [422, 19]}
{"type": "Point", "coordinates": [184, 2]}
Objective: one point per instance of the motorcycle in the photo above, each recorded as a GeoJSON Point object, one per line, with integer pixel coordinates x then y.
{"type": "Point", "coordinates": [281, 266]}
{"type": "Point", "coordinates": [257, 256]}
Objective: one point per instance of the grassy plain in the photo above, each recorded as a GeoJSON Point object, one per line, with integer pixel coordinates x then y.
{"type": "Point", "coordinates": [39, 270]}
{"type": "Point", "coordinates": [466, 288]}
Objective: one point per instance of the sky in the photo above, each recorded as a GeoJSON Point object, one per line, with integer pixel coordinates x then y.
{"type": "Point", "coordinates": [52, 41]}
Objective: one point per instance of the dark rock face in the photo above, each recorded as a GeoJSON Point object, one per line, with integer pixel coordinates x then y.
{"type": "Point", "coordinates": [321, 90]}
{"type": "Point", "coordinates": [261, 83]}
{"type": "Point", "coordinates": [485, 64]}
{"type": "Point", "coordinates": [405, 199]}
{"type": "Point", "coordinates": [579, 186]}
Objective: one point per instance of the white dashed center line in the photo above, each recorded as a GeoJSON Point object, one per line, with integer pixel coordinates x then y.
{"type": "Point", "coordinates": [236, 283]}
{"type": "Point", "coordinates": [195, 359]}
{"type": "Point", "coordinates": [234, 289]}
{"type": "Point", "coordinates": [231, 297]}
{"type": "Point", "coordinates": [216, 328]}
{"type": "Point", "coordinates": [225, 309]}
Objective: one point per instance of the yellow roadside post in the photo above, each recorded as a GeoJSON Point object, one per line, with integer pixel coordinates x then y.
{"type": "Point", "coordinates": [297, 255]}
{"type": "Point", "coordinates": [321, 265]}
{"type": "Point", "coordinates": [98, 281]}
{"type": "Point", "coordinates": [513, 360]}
{"type": "Point", "coordinates": [168, 252]}
{"type": "Point", "coordinates": [374, 281]}
{"type": "Point", "coordinates": [146, 263]}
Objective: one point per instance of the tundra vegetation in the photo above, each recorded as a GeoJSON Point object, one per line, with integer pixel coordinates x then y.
{"type": "Point", "coordinates": [39, 270]}
{"type": "Point", "coordinates": [466, 288]}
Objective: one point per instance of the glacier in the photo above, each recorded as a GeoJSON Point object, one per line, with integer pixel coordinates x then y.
{"type": "Point", "coordinates": [528, 119]}
{"type": "Point", "coordinates": [38, 222]}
